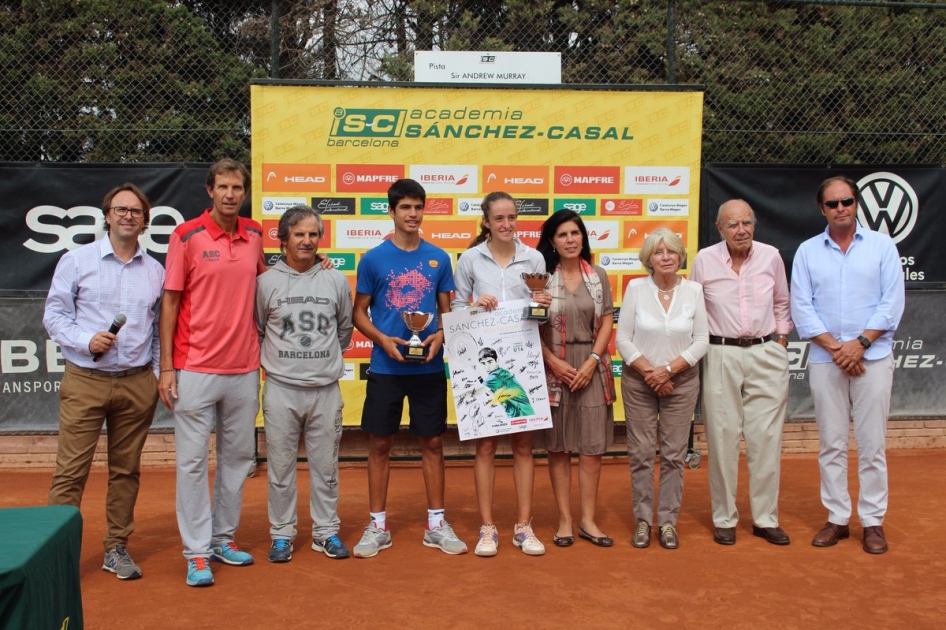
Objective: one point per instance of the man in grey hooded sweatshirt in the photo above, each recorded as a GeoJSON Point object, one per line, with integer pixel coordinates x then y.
{"type": "Point", "coordinates": [304, 317]}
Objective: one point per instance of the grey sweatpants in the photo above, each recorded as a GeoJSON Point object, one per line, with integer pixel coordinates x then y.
{"type": "Point", "coordinates": [315, 414]}
{"type": "Point", "coordinates": [227, 403]}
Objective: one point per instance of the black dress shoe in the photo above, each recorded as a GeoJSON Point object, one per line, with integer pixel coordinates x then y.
{"type": "Point", "coordinates": [725, 535]}
{"type": "Point", "coordinates": [601, 541]}
{"type": "Point", "coordinates": [563, 541]}
{"type": "Point", "coordinates": [775, 535]}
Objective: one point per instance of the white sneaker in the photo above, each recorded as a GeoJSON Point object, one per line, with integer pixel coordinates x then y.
{"type": "Point", "coordinates": [489, 540]}
{"type": "Point", "coordinates": [524, 538]}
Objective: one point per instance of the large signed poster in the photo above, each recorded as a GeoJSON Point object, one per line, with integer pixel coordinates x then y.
{"type": "Point", "coordinates": [496, 371]}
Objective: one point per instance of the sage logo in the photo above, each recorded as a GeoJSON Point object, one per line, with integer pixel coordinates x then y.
{"type": "Point", "coordinates": [579, 206]}
{"type": "Point", "coordinates": [368, 123]}
{"type": "Point", "coordinates": [343, 261]}
{"type": "Point", "coordinates": [56, 229]}
{"type": "Point", "coordinates": [374, 205]}
{"type": "Point", "coordinates": [888, 204]}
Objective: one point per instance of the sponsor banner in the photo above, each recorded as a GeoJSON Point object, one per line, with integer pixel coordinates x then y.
{"type": "Point", "coordinates": [532, 207]}
{"type": "Point", "coordinates": [349, 372]}
{"type": "Point", "coordinates": [587, 179]}
{"type": "Point", "coordinates": [276, 206]}
{"type": "Point", "coordinates": [373, 206]}
{"type": "Point", "coordinates": [334, 205]}
{"type": "Point", "coordinates": [603, 234]}
{"type": "Point", "coordinates": [296, 178]}
{"type": "Point", "coordinates": [620, 262]}
{"type": "Point", "coordinates": [49, 209]}
{"type": "Point", "coordinates": [359, 347]}
{"type": "Point", "coordinates": [446, 178]}
{"type": "Point", "coordinates": [271, 231]}
{"type": "Point", "coordinates": [367, 178]}
{"type": "Point", "coordinates": [450, 234]}
{"type": "Point", "coordinates": [438, 206]}
{"type": "Point", "coordinates": [529, 232]}
{"type": "Point", "coordinates": [549, 147]}
{"type": "Point", "coordinates": [625, 207]}
{"type": "Point", "coordinates": [361, 234]}
{"type": "Point", "coordinates": [635, 233]}
{"type": "Point", "coordinates": [902, 201]}
{"type": "Point", "coordinates": [668, 208]}
{"type": "Point", "coordinates": [343, 261]}
{"type": "Point", "coordinates": [497, 375]}
{"type": "Point", "coordinates": [583, 207]}
{"type": "Point", "coordinates": [516, 179]}
{"type": "Point", "coordinates": [656, 180]}
{"type": "Point", "coordinates": [468, 206]}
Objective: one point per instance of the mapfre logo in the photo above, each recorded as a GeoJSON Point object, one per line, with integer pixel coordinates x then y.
{"type": "Point", "coordinates": [64, 226]}
{"type": "Point", "coordinates": [587, 179]}
{"type": "Point", "coordinates": [516, 179]}
{"type": "Point", "coordinates": [529, 232]}
{"type": "Point", "coordinates": [359, 347]}
{"type": "Point", "coordinates": [446, 178]}
{"type": "Point", "coordinates": [367, 177]}
{"type": "Point", "coordinates": [888, 204]}
{"type": "Point", "coordinates": [297, 178]}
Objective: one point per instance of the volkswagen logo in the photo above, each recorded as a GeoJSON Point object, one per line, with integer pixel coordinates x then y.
{"type": "Point", "coordinates": [888, 204]}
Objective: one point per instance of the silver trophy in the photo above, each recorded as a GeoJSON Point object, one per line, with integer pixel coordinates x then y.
{"type": "Point", "coordinates": [415, 321]}
{"type": "Point", "coordinates": [537, 282]}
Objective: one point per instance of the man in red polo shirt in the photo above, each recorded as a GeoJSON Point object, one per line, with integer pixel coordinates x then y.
{"type": "Point", "coordinates": [210, 366]}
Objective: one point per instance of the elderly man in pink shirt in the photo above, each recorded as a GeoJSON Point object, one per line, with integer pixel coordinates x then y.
{"type": "Point", "coordinates": [745, 371]}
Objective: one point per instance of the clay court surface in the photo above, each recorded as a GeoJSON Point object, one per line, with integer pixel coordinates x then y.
{"type": "Point", "coordinates": [700, 585]}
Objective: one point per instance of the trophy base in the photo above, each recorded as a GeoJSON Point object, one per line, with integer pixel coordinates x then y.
{"type": "Point", "coordinates": [537, 313]}
{"type": "Point", "coordinates": [414, 353]}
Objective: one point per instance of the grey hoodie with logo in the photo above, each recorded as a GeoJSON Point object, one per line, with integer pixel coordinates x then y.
{"type": "Point", "coordinates": [305, 324]}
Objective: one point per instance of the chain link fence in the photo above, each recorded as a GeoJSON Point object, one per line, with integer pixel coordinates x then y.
{"type": "Point", "coordinates": [790, 81]}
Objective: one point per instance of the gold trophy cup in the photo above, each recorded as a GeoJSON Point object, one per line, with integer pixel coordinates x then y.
{"type": "Point", "coordinates": [416, 321]}
{"type": "Point", "coordinates": [537, 282]}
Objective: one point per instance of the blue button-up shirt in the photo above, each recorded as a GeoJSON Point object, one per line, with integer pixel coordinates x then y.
{"type": "Point", "coordinates": [90, 287]}
{"type": "Point", "coordinates": [846, 293]}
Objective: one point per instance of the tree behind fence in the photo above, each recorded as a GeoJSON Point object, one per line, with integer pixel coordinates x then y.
{"type": "Point", "coordinates": [789, 81]}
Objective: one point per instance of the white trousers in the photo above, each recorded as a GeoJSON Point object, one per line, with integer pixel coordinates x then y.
{"type": "Point", "coordinates": [745, 395]}
{"type": "Point", "coordinates": [836, 395]}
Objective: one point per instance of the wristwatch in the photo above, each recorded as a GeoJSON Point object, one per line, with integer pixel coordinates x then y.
{"type": "Point", "coordinates": [596, 357]}
{"type": "Point", "coordinates": [669, 369]}
{"type": "Point", "coordinates": [864, 341]}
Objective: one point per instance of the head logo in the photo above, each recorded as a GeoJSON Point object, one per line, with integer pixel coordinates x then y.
{"type": "Point", "coordinates": [888, 204]}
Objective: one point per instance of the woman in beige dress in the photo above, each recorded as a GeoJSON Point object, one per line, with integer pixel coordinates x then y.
{"type": "Point", "coordinates": [578, 370]}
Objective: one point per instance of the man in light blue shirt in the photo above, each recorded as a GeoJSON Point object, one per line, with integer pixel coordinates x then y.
{"type": "Point", "coordinates": [109, 377]}
{"type": "Point", "coordinates": [847, 298]}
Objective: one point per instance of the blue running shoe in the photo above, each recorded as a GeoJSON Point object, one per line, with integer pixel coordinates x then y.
{"type": "Point", "coordinates": [333, 547]}
{"type": "Point", "coordinates": [199, 573]}
{"type": "Point", "coordinates": [228, 553]}
{"type": "Point", "coordinates": [281, 550]}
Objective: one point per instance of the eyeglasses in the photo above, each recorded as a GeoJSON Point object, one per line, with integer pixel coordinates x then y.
{"type": "Point", "coordinates": [121, 211]}
{"type": "Point", "coordinates": [847, 202]}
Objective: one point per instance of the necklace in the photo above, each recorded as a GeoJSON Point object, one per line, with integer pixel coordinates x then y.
{"type": "Point", "coordinates": [665, 293]}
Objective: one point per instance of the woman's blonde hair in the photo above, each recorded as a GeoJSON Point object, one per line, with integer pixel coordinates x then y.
{"type": "Point", "coordinates": [670, 240]}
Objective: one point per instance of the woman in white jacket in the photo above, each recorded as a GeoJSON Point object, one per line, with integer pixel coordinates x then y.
{"type": "Point", "coordinates": [488, 273]}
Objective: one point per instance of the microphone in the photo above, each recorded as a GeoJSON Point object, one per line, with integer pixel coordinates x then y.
{"type": "Point", "coordinates": [114, 328]}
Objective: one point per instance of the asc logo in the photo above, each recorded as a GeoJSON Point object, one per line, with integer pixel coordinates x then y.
{"type": "Point", "coordinates": [888, 204]}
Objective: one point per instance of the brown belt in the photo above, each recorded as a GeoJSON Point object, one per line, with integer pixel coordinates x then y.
{"type": "Point", "coordinates": [115, 374]}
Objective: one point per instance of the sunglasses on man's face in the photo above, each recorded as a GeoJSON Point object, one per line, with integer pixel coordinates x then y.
{"type": "Point", "coordinates": [847, 202]}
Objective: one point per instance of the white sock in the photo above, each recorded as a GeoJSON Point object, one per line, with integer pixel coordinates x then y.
{"type": "Point", "coordinates": [379, 519]}
{"type": "Point", "coordinates": [435, 518]}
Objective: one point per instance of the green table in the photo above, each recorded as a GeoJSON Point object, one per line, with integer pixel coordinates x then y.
{"type": "Point", "coordinates": [39, 568]}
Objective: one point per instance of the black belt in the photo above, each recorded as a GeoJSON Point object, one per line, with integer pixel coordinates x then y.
{"type": "Point", "coordinates": [115, 374]}
{"type": "Point", "coordinates": [742, 342]}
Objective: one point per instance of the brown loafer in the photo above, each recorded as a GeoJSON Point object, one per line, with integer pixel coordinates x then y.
{"type": "Point", "coordinates": [725, 535]}
{"type": "Point", "coordinates": [830, 534]}
{"type": "Point", "coordinates": [874, 539]}
{"type": "Point", "coordinates": [775, 535]}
